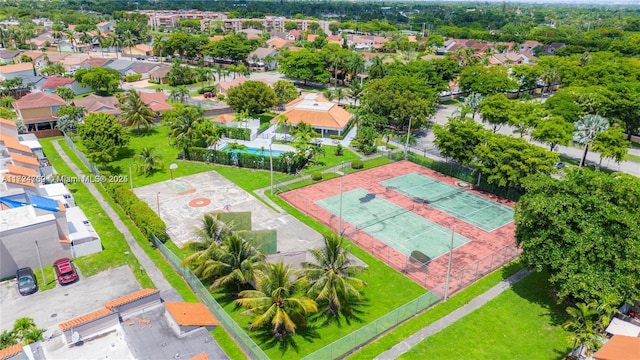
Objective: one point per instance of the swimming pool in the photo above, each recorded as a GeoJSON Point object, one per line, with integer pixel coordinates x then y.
{"type": "Point", "coordinates": [255, 151]}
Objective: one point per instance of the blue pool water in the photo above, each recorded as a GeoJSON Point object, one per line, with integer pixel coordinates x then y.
{"type": "Point", "coordinates": [255, 151]}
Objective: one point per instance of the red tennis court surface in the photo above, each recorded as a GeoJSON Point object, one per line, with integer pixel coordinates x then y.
{"type": "Point", "coordinates": [485, 252]}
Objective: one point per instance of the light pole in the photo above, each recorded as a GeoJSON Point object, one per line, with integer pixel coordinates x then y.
{"type": "Point", "coordinates": [446, 284]}
{"type": "Point", "coordinates": [131, 177]}
{"type": "Point", "coordinates": [406, 145]}
{"type": "Point", "coordinates": [271, 165]}
{"type": "Point", "coordinates": [158, 202]}
{"type": "Point", "coordinates": [340, 213]}
{"type": "Point", "coordinates": [44, 279]}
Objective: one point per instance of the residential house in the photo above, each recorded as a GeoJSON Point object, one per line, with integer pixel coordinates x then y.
{"type": "Point", "coordinates": [619, 347]}
{"type": "Point", "coordinates": [94, 104]}
{"type": "Point", "coordinates": [223, 87]}
{"type": "Point", "coordinates": [335, 39]}
{"type": "Point", "coordinates": [160, 74]}
{"type": "Point", "coordinates": [294, 35]}
{"type": "Point", "coordinates": [23, 150]}
{"type": "Point", "coordinates": [73, 61]}
{"type": "Point", "coordinates": [13, 352]}
{"type": "Point", "coordinates": [52, 83]}
{"type": "Point", "coordinates": [324, 116]}
{"type": "Point", "coordinates": [37, 57]}
{"type": "Point", "coordinates": [447, 46]}
{"type": "Point", "coordinates": [252, 34]}
{"type": "Point", "coordinates": [278, 43]}
{"type": "Point", "coordinates": [553, 47]}
{"type": "Point", "coordinates": [141, 68]}
{"type": "Point", "coordinates": [505, 59]}
{"type": "Point", "coordinates": [9, 56]}
{"type": "Point", "coordinates": [25, 71]}
{"type": "Point", "coordinates": [121, 65]}
{"type": "Point", "coordinates": [156, 101]}
{"type": "Point", "coordinates": [529, 45]}
{"type": "Point", "coordinates": [95, 62]}
{"type": "Point", "coordinates": [161, 327]}
{"type": "Point", "coordinates": [527, 57]}
{"type": "Point", "coordinates": [138, 50]}
{"type": "Point", "coordinates": [38, 111]}
{"type": "Point", "coordinates": [262, 54]}
{"type": "Point", "coordinates": [105, 26]}
{"type": "Point", "coordinates": [224, 119]}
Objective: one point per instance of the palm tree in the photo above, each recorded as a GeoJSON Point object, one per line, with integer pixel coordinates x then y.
{"type": "Point", "coordinates": [586, 129]}
{"type": "Point", "coordinates": [26, 332]}
{"type": "Point", "coordinates": [329, 94]}
{"type": "Point", "coordinates": [233, 69]}
{"type": "Point", "coordinates": [332, 276]}
{"type": "Point", "coordinates": [219, 71]}
{"type": "Point", "coordinates": [377, 70]}
{"type": "Point", "coordinates": [70, 35]}
{"type": "Point", "coordinates": [278, 300]}
{"type": "Point", "coordinates": [583, 325]}
{"type": "Point", "coordinates": [585, 58]}
{"type": "Point", "coordinates": [184, 122]}
{"type": "Point", "coordinates": [473, 102]}
{"type": "Point", "coordinates": [202, 74]}
{"type": "Point", "coordinates": [65, 93]}
{"type": "Point", "coordinates": [136, 112]}
{"type": "Point", "coordinates": [180, 94]}
{"type": "Point", "coordinates": [339, 93]}
{"type": "Point", "coordinates": [549, 78]}
{"type": "Point", "coordinates": [115, 42]}
{"type": "Point", "coordinates": [355, 91]}
{"type": "Point", "coordinates": [212, 230]}
{"type": "Point", "coordinates": [147, 161]}
{"type": "Point", "coordinates": [282, 122]}
{"type": "Point", "coordinates": [86, 39]}
{"type": "Point", "coordinates": [57, 33]}
{"type": "Point", "coordinates": [234, 262]}
{"type": "Point", "coordinates": [129, 40]}
{"type": "Point", "coordinates": [354, 65]}
{"type": "Point", "coordinates": [102, 41]}
{"type": "Point", "coordinates": [158, 46]}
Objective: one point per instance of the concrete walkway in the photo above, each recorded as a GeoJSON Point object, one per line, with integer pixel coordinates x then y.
{"type": "Point", "coordinates": [156, 276]}
{"type": "Point", "coordinates": [454, 316]}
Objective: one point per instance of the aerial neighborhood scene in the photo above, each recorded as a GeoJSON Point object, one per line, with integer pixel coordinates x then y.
{"type": "Point", "coordinates": [319, 179]}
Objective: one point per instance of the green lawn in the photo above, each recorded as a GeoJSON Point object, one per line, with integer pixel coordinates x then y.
{"type": "Point", "coordinates": [524, 322]}
{"type": "Point", "coordinates": [113, 242]}
{"type": "Point", "coordinates": [50, 275]}
{"type": "Point", "coordinates": [634, 158]}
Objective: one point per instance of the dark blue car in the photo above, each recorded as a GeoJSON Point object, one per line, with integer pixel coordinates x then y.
{"type": "Point", "coordinates": [27, 282]}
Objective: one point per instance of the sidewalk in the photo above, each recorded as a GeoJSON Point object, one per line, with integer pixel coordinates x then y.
{"type": "Point", "coordinates": [148, 265]}
{"type": "Point", "coordinates": [454, 316]}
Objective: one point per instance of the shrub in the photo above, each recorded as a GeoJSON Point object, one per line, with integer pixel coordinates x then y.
{"type": "Point", "coordinates": [339, 150]}
{"type": "Point", "coordinates": [133, 77]}
{"type": "Point", "coordinates": [335, 137]}
{"type": "Point", "coordinates": [221, 97]}
{"type": "Point", "coordinates": [316, 176]}
{"type": "Point", "coordinates": [357, 164]}
{"type": "Point", "coordinates": [206, 89]}
{"type": "Point", "coordinates": [148, 221]}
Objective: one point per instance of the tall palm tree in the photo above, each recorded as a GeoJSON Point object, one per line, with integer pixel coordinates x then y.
{"type": "Point", "coordinates": [184, 122]}
{"type": "Point", "coordinates": [129, 40]}
{"type": "Point", "coordinates": [180, 94]}
{"type": "Point", "coordinates": [339, 94]}
{"type": "Point", "coordinates": [354, 65]}
{"type": "Point", "coordinates": [86, 39]}
{"type": "Point", "coordinates": [147, 161]}
{"type": "Point", "coordinates": [332, 276]}
{"type": "Point", "coordinates": [158, 46]}
{"type": "Point", "coordinates": [219, 71]}
{"type": "Point", "coordinates": [57, 33]}
{"type": "Point", "coordinates": [102, 41]}
{"type": "Point", "coordinates": [585, 58]}
{"type": "Point", "coordinates": [65, 93]}
{"type": "Point", "coordinates": [115, 41]}
{"type": "Point", "coordinates": [278, 300]}
{"type": "Point", "coordinates": [212, 230]}
{"type": "Point", "coordinates": [202, 74]}
{"type": "Point", "coordinates": [71, 38]}
{"type": "Point", "coordinates": [355, 91]}
{"type": "Point", "coordinates": [473, 102]}
{"type": "Point", "coordinates": [549, 77]}
{"type": "Point", "coordinates": [377, 70]}
{"type": "Point", "coordinates": [586, 129]}
{"type": "Point", "coordinates": [136, 112]}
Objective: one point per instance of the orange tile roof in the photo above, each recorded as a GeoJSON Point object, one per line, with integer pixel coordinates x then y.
{"type": "Point", "coordinates": [224, 118]}
{"type": "Point", "coordinates": [327, 115]}
{"type": "Point", "coordinates": [10, 351]}
{"type": "Point", "coordinates": [22, 171]}
{"type": "Point", "coordinates": [278, 43]}
{"type": "Point", "coordinates": [99, 314]}
{"type": "Point", "coordinates": [13, 143]}
{"type": "Point", "coordinates": [156, 101]}
{"type": "Point", "coordinates": [130, 298]}
{"type": "Point", "coordinates": [38, 100]}
{"type": "Point", "coordinates": [191, 314]}
{"type": "Point", "coordinates": [24, 159]}
{"type": "Point", "coordinates": [8, 122]}
{"type": "Point", "coordinates": [14, 68]}
{"type": "Point", "coordinates": [201, 356]}
{"type": "Point", "coordinates": [619, 347]}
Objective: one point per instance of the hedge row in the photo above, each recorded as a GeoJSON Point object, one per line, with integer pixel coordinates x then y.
{"type": "Point", "coordinates": [235, 133]}
{"type": "Point", "coordinates": [205, 89]}
{"type": "Point", "coordinates": [139, 211]}
{"type": "Point", "coordinates": [286, 163]}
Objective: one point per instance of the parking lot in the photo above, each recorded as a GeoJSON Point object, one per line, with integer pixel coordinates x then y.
{"type": "Point", "coordinates": [51, 307]}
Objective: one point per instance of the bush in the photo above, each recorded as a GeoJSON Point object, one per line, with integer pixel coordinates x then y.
{"type": "Point", "coordinates": [133, 77]}
{"type": "Point", "coordinates": [316, 176]}
{"type": "Point", "coordinates": [221, 97]}
{"type": "Point", "coordinates": [339, 150]}
{"type": "Point", "coordinates": [151, 81]}
{"type": "Point", "coordinates": [335, 137]}
{"type": "Point", "coordinates": [205, 89]}
{"type": "Point", "coordinates": [357, 164]}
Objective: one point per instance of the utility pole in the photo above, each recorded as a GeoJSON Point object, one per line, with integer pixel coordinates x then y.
{"type": "Point", "coordinates": [446, 285]}
{"type": "Point", "coordinates": [44, 279]}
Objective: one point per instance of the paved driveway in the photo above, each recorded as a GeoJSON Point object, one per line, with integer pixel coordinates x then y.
{"type": "Point", "coordinates": [51, 307]}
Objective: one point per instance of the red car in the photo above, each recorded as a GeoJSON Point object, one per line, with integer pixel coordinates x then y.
{"type": "Point", "coordinates": [65, 271]}
{"type": "Point", "coordinates": [209, 95]}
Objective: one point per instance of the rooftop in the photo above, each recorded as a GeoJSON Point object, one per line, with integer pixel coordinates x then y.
{"type": "Point", "coordinates": [10, 351]}
{"type": "Point", "coordinates": [38, 100]}
{"type": "Point", "coordinates": [191, 314]}
{"type": "Point", "coordinates": [14, 68]}
{"type": "Point", "coordinates": [130, 298]}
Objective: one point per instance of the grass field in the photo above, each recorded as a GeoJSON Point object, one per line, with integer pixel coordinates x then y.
{"type": "Point", "coordinates": [524, 322]}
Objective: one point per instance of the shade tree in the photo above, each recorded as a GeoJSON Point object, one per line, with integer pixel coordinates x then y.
{"type": "Point", "coordinates": [611, 144]}
{"type": "Point", "coordinates": [553, 131]}
{"type": "Point", "coordinates": [585, 131]}
{"type": "Point", "coordinates": [103, 136]}
{"type": "Point", "coordinates": [252, 97]}
{"type": "Point", "coordinates": [458, 139]}
{"type": "Point", "coordinates": [486, 80]}
{"type": "Point", "coordinates": [495, 110]}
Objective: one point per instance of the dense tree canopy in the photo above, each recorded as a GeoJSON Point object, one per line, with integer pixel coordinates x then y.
{"type": "Point", "coordinates": [252, 97]}
{"type": "Point", "coordinates": [486, 80]}
{"type": "Point", "coordinates": [101, 79]}
{"type": "Point", "coordinates": [103, 136]}
{"type": "Point", "coordinates": [306, 65]}
{"type": "Point", "coordinates": [584, 230]}
{"type": "Point", "coordinates": [458, 139]}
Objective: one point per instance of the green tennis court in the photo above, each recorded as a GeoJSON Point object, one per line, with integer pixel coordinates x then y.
{"type": "Point", "coordinates": [397, 227]}
{"type": "Point", "coordinates": [468, 207]}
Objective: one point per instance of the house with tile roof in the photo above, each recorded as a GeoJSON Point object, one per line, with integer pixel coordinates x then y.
{"type": "Point", "coordinates": [25, 71]}
{"type": "Point", "coordinates": [529, 45]}
{"type": "Point", "coordinates": [224, 119]}
{"type": "Point", "coordinates": [121, 65]}
{"type": "Point", "coordinates": [95, 62]}
{"type": "Point", "coordinates": [505, 59]}
{"type": "Point", "coordinates": [141, 68]}
{"type": "Point", "coordinates": [13, 352]}
{"type": "Point", "coordinates": [619, 347]}
{"type": "Point", "coordinates": [160, 74]}
{"type": "Point", "coordinates": [138, 50]}
{"type": "Point", "coordinates": [52, 83]}
{"type": "Point", "coordinates": [261, 54]}
{"type": "Point", "coordinates": [223, 87]}
{"type": "Point", "coordinates": [553, 47]}
{"type": "Point", "coordinates": [324, 116]}
{"type": "Point", "coordinates": [8, 56]}
{"type": "Point", "coordinates": [105, 26]}
{"type": "Point", "coordinates": [38, 111]}
{"type": "Point", "coordinates": [278, 43]}
{"type": "Point", "coordinates": [95, 103]}
{"type": "Point", "coordinates": [527, 57]}
{"type": "Point", "coordinates": [156, 101]}
{"type": "Point", "coordinates": [185, 317]}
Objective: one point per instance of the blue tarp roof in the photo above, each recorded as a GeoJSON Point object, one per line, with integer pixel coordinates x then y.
{"type": "Point", "coordinates": [11, 203]}
{"type": "Point", "coordinates": [44, 203]}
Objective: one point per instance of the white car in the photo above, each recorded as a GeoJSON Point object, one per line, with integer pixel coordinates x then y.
{"type": "Point", "coordinates": [152, 59]}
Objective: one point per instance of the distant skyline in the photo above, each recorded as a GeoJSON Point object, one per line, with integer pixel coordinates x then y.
{"type": "Point", "coordinates": [568, 2]}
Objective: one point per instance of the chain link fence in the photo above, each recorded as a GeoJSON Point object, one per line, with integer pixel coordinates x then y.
{"type": "Point", "coordinates": [90, 166]}
{"type": "Point", "coordinates": [237, 333]}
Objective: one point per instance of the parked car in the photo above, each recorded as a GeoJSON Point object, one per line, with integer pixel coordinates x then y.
{"type": "Point", "coordinates": [65, 271]}
{"type": "Point", "coordinates": [209, 95]}
{"type": "Point", "coordinates": [139, 58]}
{"type": "Point", "coordinates": [152, 59]}
{"type": "Point", "coordinates": [27, 282]}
